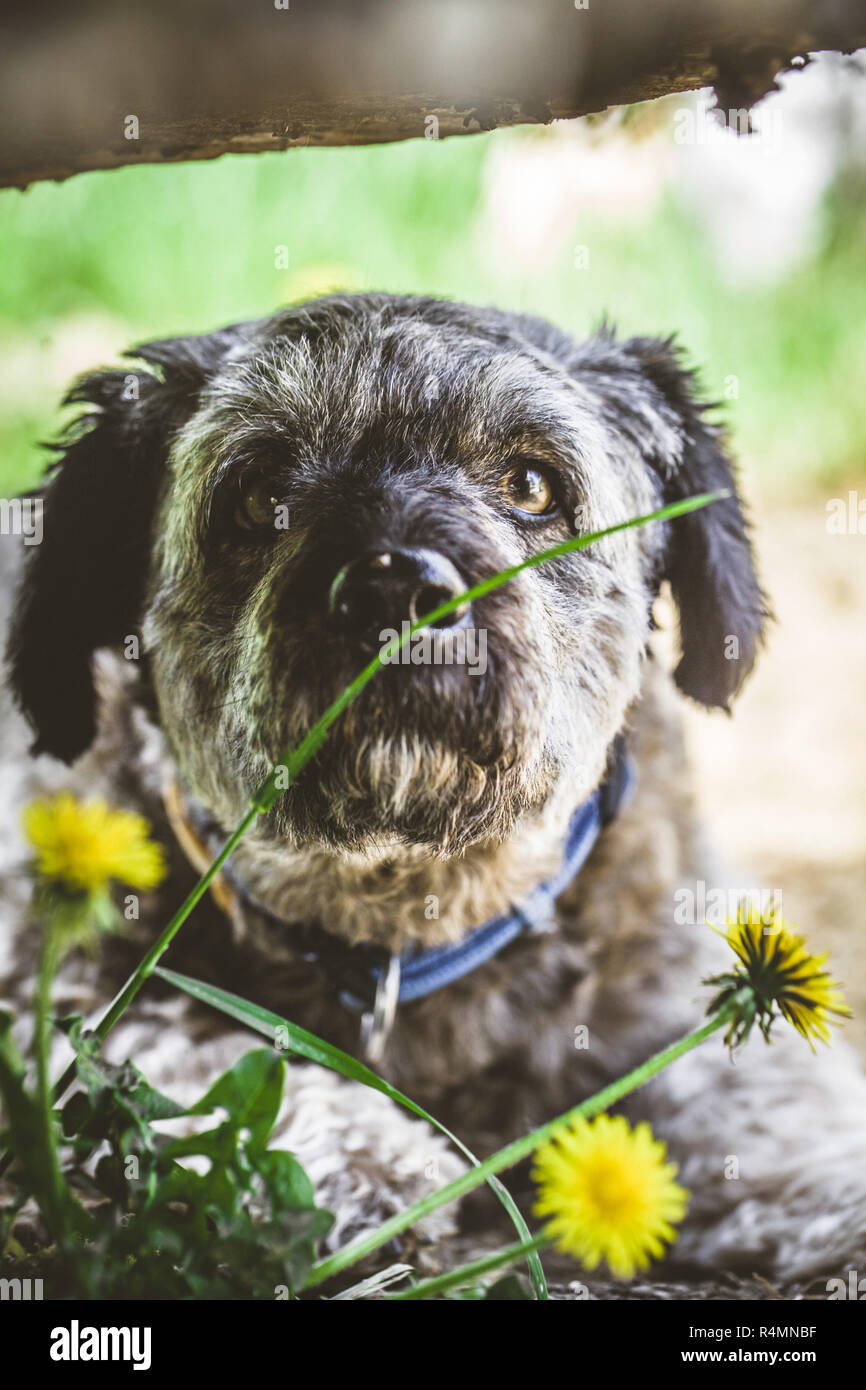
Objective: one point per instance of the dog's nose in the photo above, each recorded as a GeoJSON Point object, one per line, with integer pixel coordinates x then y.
{"type": "Point", "coordinates": [382, 588]}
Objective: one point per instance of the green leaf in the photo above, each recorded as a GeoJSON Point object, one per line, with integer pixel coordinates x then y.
{"type": "Point", "coordinates": [291, 1238]}
{"type": "Point", "coordinates": [315, 1049]}
{"type": "Point", "coordinates": [22, 1112]}
{"type": "Point", "coordinates": [251, 1092]}
{"type": "Point", "coordinates": [76, 1114]}
{"type": "Point", "coordinates": [25, 1136]}
{"type": "Point", "coordinates": [286, 1183]}
{"type": "Point", "coordinates": [117, 1105]}
{"type": "Point", "coordinates": [126, 1083]}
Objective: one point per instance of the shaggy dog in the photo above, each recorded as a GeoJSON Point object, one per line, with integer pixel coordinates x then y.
{"type": "Point", "coordinates": [232, 526]}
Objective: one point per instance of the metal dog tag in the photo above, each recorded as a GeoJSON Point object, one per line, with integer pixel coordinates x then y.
{"type": "Point", "coordinates": [377, 1023]}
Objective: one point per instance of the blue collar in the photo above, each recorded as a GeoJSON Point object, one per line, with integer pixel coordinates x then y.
{"type": "Point", "coordinates": [371, 983]}
{"type": "Point", "coordinates": [424, 972]}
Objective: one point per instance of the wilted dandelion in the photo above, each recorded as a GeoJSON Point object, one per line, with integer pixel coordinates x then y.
{"type": "Point", "coordinates": [777, 971]}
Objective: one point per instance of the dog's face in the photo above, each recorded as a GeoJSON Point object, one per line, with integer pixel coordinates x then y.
{"type": "Point", "coordinates": [263, 505]}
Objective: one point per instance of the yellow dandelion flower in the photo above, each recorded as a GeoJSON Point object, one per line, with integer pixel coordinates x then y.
{"type": "Point", "coordinates": [609, 1192]}
{"type": "Point", "coordinates": [776, 971]}
{"type": "Point", "coordinates": [84, 845]}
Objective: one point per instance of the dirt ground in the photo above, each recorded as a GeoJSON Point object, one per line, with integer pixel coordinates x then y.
{"type": "Point", "coordinates": [782, 784]}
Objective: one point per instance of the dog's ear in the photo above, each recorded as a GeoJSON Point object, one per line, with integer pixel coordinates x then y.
{"type": "Point", "coordinates": [708, 560]}
{"type": "Point", "coordinates": [82, 586]}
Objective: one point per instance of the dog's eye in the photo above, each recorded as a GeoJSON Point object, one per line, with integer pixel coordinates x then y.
{"type": "Point", "coordinates": [528, 488]}
{"type": "Point", "coordinates": [256, 504]}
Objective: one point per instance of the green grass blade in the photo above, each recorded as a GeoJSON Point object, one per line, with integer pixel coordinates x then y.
{"type": "Point", "coordinates": [294, 760]}
{"type": "Point", "coordinates": [315, 1049]}
{"type": "Point", "coordinates": [468, 1274]}
{"type": "Point", "coordinates": [514, 1152]}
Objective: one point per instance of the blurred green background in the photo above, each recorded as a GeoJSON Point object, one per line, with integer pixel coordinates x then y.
{"type": "Point", "coordinates": [574, 223]}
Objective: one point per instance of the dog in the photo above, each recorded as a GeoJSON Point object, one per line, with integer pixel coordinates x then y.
{"type": "Point", "coordinates": [231, 529]}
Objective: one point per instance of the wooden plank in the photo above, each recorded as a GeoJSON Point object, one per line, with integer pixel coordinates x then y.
{"type": "Point", "coordinates": [97, 85]}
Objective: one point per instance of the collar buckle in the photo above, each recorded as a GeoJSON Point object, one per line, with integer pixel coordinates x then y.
{"type": "Point", "coordinates": [376, 1023]}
